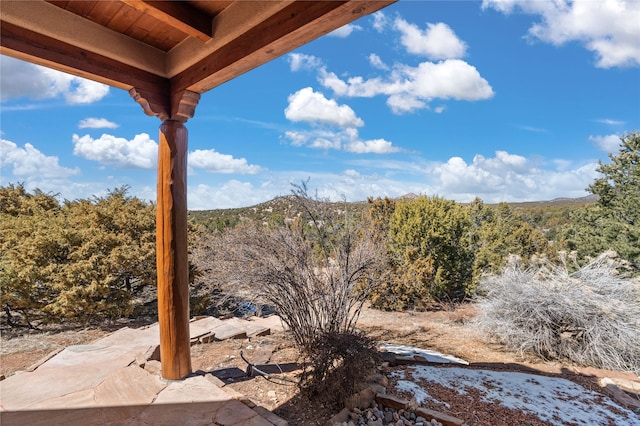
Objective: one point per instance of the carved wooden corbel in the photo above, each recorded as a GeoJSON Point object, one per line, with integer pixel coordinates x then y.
{"type": "Point", "coordinates": [150, 104]}
{"type": "Point", "coordinates": [183, 105]}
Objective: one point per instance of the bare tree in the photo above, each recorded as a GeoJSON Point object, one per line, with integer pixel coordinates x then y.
{"type": "Point", "coordinates": [316, 271]}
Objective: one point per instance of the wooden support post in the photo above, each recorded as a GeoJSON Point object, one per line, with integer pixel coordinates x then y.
{"type": "Point", "coordinates": [171, 251]}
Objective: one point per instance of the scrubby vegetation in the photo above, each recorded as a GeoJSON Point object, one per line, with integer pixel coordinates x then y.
{"type": "Point", "coordinates": [79, 261]}
{"type": "Point", "coordinates": [438, 249]}
{"type": "Point", "coordinates": [614, 222]}
{"type": "Point", "coordinates": [316, 262]}
{"type": "Point", "coordinates": [590, 316]}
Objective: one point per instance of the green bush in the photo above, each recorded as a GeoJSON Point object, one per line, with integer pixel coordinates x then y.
{"type": "Point", "coordinates": [430, 254]}
{"type": "Point", "coordinates": [81, 260]}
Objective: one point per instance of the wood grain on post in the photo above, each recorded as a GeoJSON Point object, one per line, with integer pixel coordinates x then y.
{"type": "Point", "coordinates": [171, 251]}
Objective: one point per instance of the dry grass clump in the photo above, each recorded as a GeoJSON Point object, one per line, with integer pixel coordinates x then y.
{"type": "Point", "coordinates": [591, 316]}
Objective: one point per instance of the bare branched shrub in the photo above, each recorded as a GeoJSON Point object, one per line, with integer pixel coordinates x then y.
{"type": "Point", "coordinates": [591, 316]}
{"type": "Point", "coordinates": [316, 272]}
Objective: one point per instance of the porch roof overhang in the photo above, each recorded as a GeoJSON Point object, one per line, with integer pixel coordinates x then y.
{"type": "Point", "coordinates": [160, 50]}
{"type": "Point", "coordinates": [166, 54]}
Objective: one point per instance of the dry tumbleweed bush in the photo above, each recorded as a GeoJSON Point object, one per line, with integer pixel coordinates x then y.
{"type": "Point", "coordinates": [591, 316]}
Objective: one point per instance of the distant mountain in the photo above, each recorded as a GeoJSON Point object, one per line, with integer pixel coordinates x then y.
{"type": "Point", "coordinates": [284, 209]}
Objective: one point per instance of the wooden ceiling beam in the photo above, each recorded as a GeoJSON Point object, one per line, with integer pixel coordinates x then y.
{"type": "Point", "coordinates": [228, 25]}
{"type": "Point", "coordinates": [291, 27]}
{"type": "Point", "coordinates": [179, 15]}
{"type": "Point", "coordinates": [43, 50]}
{"type": "Point", "coordinates": [56, 23]}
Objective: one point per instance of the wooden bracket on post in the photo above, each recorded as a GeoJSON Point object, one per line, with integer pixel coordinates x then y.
{"type": "Point", "coordinates": [183, 105]}
{"type": "Point", "coordinates": [152, 104]}
{"type": "Point", "coordinates": [179, 106]}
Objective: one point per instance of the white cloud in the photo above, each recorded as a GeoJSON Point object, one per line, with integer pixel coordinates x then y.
{"type": "Point", "coordinates": [346, 139]}
{"type": "Point", "coordinates": [611, 122]}
{"type": "Point", "coordinates": [29, 163]}
{"type": "Point", "coordinates": [230, 194]}
{"type": "Point", "coordinates": [410, 88]}
{"type": "Point", "coordinates": [376, 62]}
{"type": "Point", "coordinates": [503, 177]}
{"type": "Point", "coordinates": [300, 61]}
{"type": "Point", "coordinates": [450, 79]}
{"type": "Point", "coordinates": [344, 31]}
{"type": "Point", "coordinates": [97, 123]}
{"type": "Point", "coordinates": [607, 143]}
{"type": "Point", "coordinates": [405, 102]}
{"type": "Point", "coordinates": [438, 41]}
{"type": "Point", "coordinates": [313, 107]}
{"type": "Point", "coordinates": [215, 162]}
{"type": "Point", "coordinates": [532, 129]}
{"type": "Point", "coordinates": [609, 28]}
{"type": "Point", "coordinates": [375, 146]}
{"type": "Point", "coordinates": [22, 79]}
{"type": "Point", "coordinates": [509, 177]}
{"type": "Point", "coordinates": [140, 152]}
{"type": "Point", "coordinates": [380, 21]}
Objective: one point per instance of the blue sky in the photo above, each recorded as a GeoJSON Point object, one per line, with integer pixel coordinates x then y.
{"type": "Point", "coordinates": [505, 100]}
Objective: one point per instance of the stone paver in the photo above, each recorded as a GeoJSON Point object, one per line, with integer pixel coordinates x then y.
{"type": "Point", "coordinates": [203, 326]}
{"type": "Point", "coordinates": [22, 391]}
{"type": "Point", "coordinates": [251, 328]}
{"type": "Point", "coordinates": [273, 322]}
{"type": "Point", "coordinates": [103, 383]}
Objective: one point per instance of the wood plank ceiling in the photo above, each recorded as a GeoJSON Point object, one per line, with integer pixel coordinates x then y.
{"type": "Point", "coordinates": [158, 50]}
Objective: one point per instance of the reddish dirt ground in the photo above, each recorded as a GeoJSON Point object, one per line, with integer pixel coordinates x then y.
{"type": "Point", "coordinates": [447, 331]}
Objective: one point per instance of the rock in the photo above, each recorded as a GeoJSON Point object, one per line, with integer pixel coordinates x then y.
{"type": "Point", "coordinates": [379, 379]}
{"type": "Point", "coordinates": [361, 400]}
{"type": "Point", "coordinates": [376, 422]}
{"type": "Point", "coordinates": [388, 416]}
{"type": "Point", "coordinates": [339, 418]}
{"type": "Point", "coordinates": [443, 418]}
{"type": "Point", "coordinates": [392, 402]}
{"type": "Point", "coordinates": [153, 367]}
{"type": "Point", "coordinates": [378, 388]}
{"type": "Point", "coordinates": [617, 394]}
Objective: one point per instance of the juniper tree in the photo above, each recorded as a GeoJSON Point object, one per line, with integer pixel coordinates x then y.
{"type": "Point", "coordinates": [614, 223]}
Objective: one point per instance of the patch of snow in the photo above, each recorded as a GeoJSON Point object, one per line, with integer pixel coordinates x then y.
{"type": "Point", "coordinates": [429, 355]}
{"type": "Point", "coordinates": [549, 398]}
{"type": "Point", "coordinates": [413, 388]}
